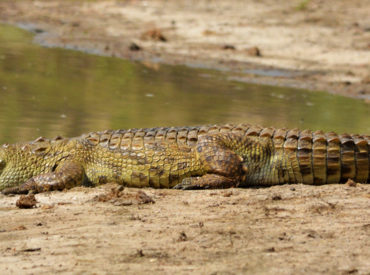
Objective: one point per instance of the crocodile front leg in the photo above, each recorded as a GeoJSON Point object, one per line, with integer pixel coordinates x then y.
{"type": "Point", "coordinates": [226, 160]}
{"type": "Point", "coordinates": [67, 175]}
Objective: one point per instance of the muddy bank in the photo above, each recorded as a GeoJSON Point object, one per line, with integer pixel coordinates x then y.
{"type": "Point", "coordinates": [290, 229]}
{"type": "Point", "coordinates": [318, 45]}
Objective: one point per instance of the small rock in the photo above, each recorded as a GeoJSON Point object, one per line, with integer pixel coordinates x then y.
{"type": "Point", "coordinates": [312, 235]}
{"type": "Point", "coordinates": [18, 228]}
{"type": "Point", "coordinates": [228, 47]}
{"type": "Point", "coordinates": [140, 253]}
{"type": "Point", "coordinates": [254, 51]}
{"type": "Point", "coordinates": [31, 249]}
{"type": "Point", "coordinates": [276, 198]}
{"type": "Point", "coordinates": [227, 194]}
{"type": "Point", "coordinates": [134, 47]}
{"type": "Point", "coordinates": [209, 32]}
{"type": "Point", "coordinates": [283, 236]}
{"type": "Point", "coordinates": [37, 30]}
{"type": "Point", "coordinates": [362, 92]}
{"type": "Point", "coordinates": [143, 198]}
{"type": "Point", "coordinates": [123, 203]}
{"type": "Point", "coordinates": [26, 201]}
{"type": "Point", "coordinates": [182, 237]}
{"type": "Point", "coordinates": [154, 34]}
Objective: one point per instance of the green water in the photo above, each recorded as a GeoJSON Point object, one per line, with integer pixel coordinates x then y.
{"type": "Point", "coordinates": [51, 92]}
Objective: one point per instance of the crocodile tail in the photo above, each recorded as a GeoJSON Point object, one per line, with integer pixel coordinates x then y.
{"type": "Point", "coordinates": [331, 158]}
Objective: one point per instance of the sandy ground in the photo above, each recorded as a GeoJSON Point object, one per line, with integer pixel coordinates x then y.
{"type": "Point", "coordinates": [290, 229]}
{"type": "Point", "coordinates": [314, 44]}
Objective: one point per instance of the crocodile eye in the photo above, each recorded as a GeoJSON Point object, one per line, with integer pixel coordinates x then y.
{"type": "Point", "coordinates": [2, 164]}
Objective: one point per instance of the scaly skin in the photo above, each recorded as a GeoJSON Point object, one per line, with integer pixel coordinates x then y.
{"type": "Point", "coordinates": [186, 158]}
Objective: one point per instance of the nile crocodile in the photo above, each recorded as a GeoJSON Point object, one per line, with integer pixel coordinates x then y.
{"type": "Point", "coordinates": [186, 158]}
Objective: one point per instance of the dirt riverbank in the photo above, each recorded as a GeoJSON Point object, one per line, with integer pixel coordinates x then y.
{"type": "Point", "coordinates": [290, 229]}
{"type": "Point", "coordinates": [318, 45]}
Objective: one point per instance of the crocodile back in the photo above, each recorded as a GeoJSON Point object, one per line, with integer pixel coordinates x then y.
{"type": "Point", "coordinates": [322, 157]}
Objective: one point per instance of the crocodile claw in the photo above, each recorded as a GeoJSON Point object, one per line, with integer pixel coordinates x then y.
{"type": "Point", "coordinates": [188, 184]}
